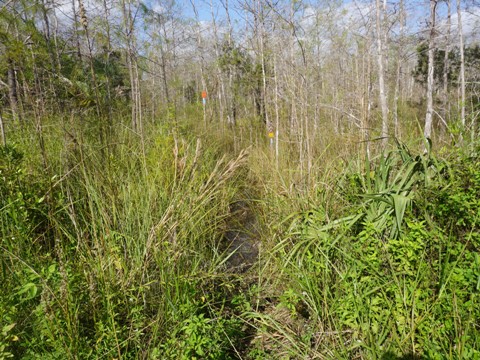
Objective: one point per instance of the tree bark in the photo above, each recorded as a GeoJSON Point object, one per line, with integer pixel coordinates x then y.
{"type": "Point", "coordinates": [446, 65]}
{"type": "Point", "coordinates": [220, 94]}
{"type": "Point", "coordinates": [128, 24]}
{"type": "Point", "coordinates": [202, 59]}
{"type": "Point", "coordinates": [77, 35]}
{"type": "Point", "coordinates": [2, 130]}
{"type": "Point", "coordinates": [164, 67]}
{"type": "Point", "coordinates": [400, 53]}
{"type": "Point", "coordinates": [12, 89]}
{"type": "Point", "coordinates": [94, 85]}
{"type": "Point", "coordinates": [261, 36]}
{"type": "Point", "coordinates": [108, 50]}
{"type": "Point", "coordinates": [462, 66]}
{"type": "Point", "coordinates": [381, 72]}
{"type": "Point", "coordinates": [431, 52]}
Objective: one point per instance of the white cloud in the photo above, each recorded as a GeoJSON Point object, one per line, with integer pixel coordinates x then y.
{"type": "Point", "coordinates": [158, 8]}
{"type": "Point", "coordinates": [470, 24]}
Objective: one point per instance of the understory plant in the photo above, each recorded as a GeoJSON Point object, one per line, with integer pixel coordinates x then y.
{"type": "Point", "coordinates": [397, 275]}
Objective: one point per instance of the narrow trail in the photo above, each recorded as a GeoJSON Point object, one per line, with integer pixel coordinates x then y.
{"type": "Point", "coordinates": [241, 238]}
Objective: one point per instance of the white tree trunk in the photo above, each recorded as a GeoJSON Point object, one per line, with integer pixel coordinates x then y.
{"type": "Point", "coordinates": [398, 80]}
{"type": "Point", "coordinates": [381, 72]}
{"type": "Point", "coordinates": [2, 131]}
{"type": "Point", "coordinates": [446, 65]}
{"type": "Point", "coordinates": [431, 52]}
{"type": "Point", "coordinates": [462, 65]}
{"type": "Point", "coordinates": [202, 59]}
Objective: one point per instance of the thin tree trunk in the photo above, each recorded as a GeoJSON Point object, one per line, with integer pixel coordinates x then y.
{"type": "Point", "coordinates": [231, 101]}
{"type": "Point", "coordinates": [2, 130]}
{"type": "Point", "coordinates": [229, 41]}
{"type": "Point", "coordinates": [366, 103]}
{"type": "Point", "coordinates": [202, 59]}
{"type": "Point", "coordinates": [51, 52]}
{"type": "Point", "coordinates": [462, 66]}
{"type": "Point", "coordinates": [37, 100]}
{"type": "Point", "coordinates": [46, 21]}
{"type": "Point", "coordinates": [163, 54]}
{"type": "Point", "coordinates": [399, 69]}
{"type": "Point", "coordinates": [431, 52]}
{"type": "Point", "coordinates": [55, 43]}
{"type": "Point", "coordinates": [84, 21]}
{"type": "Point", "coordinates": [128, 24]}
{"type": "Point", "coordinates": [36, 106]}
{"type": "Point", "coordinates": [77, 35]}
{"type": "Point", "coordinates": [12, 90]}
{"type": "Point", "coordinates": [107, 65]}
{"type": "Point", "coordinates": [164, 75]}
{"type": "Point", "coordinates": [381, 72]}
{"type": "Point", "coordinates": [263, 65]}
{"type": "Point", "coordinates": [277, 113]}
{"type": "Point", "coordinates": [221, 93]}
{"type": "Point", "coordinates": [446, 65]}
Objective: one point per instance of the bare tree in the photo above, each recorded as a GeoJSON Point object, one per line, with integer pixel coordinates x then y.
{"type": "Point", "coordinates": [77, 34]}
{"type": "Point", "coordinates": [12, 89]}
{"type": "Point", "coordinates": [94, 85]}
{"type": "Point", "coordinates": [129, 27]}
{"type": "Point", "coordinates": [221, 93]}
{"type": "Point", "coordinates": [462, 65]}
{"type": "Point", "coordinates": [400, 52]}
{"type": "Point", "coordinates": [380, 15]}
{"type": "Point", "coordinates": [431, 53]}
{"type": "Point", "coordinates": [260, 27]}
{"type": "Point", "coordinates": [446, 65]}
{"type": "Point", "coordinates": [202, 58]}
{"type": "Point", "coordinates": [108, 48]}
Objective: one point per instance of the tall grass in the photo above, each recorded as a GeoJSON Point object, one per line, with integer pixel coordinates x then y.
{"type": "Point", "coordinates": [117, 250]}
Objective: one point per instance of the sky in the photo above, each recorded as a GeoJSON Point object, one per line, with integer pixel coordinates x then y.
{"type": "Point", "coordinates": [349, 15]}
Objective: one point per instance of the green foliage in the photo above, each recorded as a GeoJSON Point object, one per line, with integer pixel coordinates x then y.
{"type": "Point", "coordinates": [244, 75]}
{"type": "Point", "coordinates": [383, 280]}
{"type": "Point", "coordinates": [201, 337]}
{"type": "Point", "coordinates": [386, 189]}
{"type": "Point", "coordinates": [457, 202]}
{"type": "Point", "coordinates": [51, 71]}
{"type": "Point", "coordinates": [472, 66]}
{"type": "Point", "coordinates": [421, 68]}
{"type": "Point", "coordinates": [6, 338]}
{"type": "Point", "coordinates": [23, 204]}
